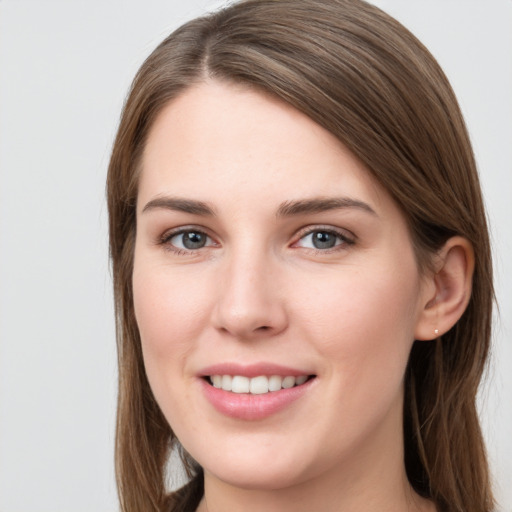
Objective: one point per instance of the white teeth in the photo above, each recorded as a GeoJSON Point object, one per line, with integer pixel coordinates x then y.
{"type": "Point", "coordinates": [239, 384]}
{"type": "Point", "coordinates": [257, 385]}
{"type": "Point", "coordinates": [300, 380]}
{"type": "Point", "coordinates": [274, 383]}
{"type": "Point", "coordinates": [226, 382]}
{"type": "Point", "coordinates": [288, 382]}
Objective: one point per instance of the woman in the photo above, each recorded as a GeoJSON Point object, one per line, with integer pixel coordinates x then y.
{"type": "Point", "coordinates": [301, 268]}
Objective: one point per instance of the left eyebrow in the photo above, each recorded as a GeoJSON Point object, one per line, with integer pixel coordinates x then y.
{"type": "Point", "coordinates": [321, 204]}
{"type": "Point", "coordinates": [180, 205]}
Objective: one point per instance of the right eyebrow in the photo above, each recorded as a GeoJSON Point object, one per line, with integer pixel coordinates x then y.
{"type": "Point", "coordinates": [179, 204]}
{"type": "Point", "coordinates": [321, 204]}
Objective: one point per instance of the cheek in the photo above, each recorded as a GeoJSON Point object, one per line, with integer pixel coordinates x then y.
{"type": "Point", "coordinates": [364, 324]}
{"type": "Point", "coordinates": [170, 314]}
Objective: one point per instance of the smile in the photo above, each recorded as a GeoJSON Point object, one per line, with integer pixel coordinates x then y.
{"type": "Point", "coordinates": [254, 392]}
{"type": "Point", "coordinates": [256, 385]}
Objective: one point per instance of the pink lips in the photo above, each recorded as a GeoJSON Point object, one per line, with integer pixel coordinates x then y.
{"type": "Point", "coordinates": [246, 406]}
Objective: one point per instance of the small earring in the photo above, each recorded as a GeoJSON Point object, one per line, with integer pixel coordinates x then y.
{"type": "Point", "coordinates": [436, 331]}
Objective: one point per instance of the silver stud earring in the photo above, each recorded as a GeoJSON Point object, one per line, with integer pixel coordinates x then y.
{"type": "Point", "coordinates": [436, 331]}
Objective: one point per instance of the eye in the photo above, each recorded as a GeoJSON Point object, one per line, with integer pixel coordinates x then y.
{"type": "Point", "coordinates": [188, 240]}
{"type": "Point", "coordinates": [323, 239]}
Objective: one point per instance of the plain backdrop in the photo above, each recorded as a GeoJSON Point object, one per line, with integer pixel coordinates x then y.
{"type": "Point", "coordinates": [65, 67]}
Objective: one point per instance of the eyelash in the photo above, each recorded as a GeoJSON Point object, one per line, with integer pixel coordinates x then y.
{"type": "Point", "coordinates": [165, 240]}
{"type": "Point", "coordinates": [342, 237]}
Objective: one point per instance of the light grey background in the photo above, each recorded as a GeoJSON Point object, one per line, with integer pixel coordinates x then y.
{"type": "Point", "coordinates": [65, 67]}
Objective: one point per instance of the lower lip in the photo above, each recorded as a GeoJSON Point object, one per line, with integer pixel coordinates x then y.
{"type": "Point", "coordinates": [246, 406]}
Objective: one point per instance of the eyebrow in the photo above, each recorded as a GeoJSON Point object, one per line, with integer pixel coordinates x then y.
{"type": "Point", "coordinates": [321, 204]}
{"type": "Point", "coordinates": [180, 205]}
{"type": "Point", "coordinates": [286, 209]}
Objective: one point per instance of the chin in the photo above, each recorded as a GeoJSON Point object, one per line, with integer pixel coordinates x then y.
{"type": "Point", "coordinates": [258, 477]}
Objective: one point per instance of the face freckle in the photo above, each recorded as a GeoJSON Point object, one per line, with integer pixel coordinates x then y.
{"type": "Point", "coordinates": [303, 266]}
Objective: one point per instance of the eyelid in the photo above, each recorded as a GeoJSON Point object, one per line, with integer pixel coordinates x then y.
{"type": "Point", "coordinates": [166, 236]}
{"type": "Point", "coordinates": [347, 237]}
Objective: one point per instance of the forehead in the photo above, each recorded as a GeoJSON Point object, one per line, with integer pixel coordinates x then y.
{"type": "Point", "coordinates": [220, 141]}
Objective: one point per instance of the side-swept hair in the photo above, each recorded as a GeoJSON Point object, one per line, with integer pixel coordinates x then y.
{"type": "Point", "coordinates": [366, 79]}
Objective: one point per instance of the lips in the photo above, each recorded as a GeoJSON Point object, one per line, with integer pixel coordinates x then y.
{"type": "Point", "coordinates": [253, 392]}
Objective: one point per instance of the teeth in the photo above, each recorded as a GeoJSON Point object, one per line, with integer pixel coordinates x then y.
{"type": "Point", "coordinates": [274, 383]}
{"type": "Point", "coordinates": [288, 382]}
{"type": "Point", "coordinates": [257, 385]}
{"type": "Point", "coordinates": [300, 380]}
{"type": "Point", "coordinates": [239, 384]}
{"type": "Point", "coordinates": [226, 382]}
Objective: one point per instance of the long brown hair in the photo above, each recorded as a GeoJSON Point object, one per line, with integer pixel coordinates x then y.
{"type": "Point", "coordinates": [364, 77]}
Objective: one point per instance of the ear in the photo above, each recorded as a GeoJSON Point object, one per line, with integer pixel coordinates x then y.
{"type": "Point", "coordinates": [448, 290]}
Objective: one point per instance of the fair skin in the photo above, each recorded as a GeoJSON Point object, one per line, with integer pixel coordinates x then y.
{"type": "Point", "coordinates": [261, 240]}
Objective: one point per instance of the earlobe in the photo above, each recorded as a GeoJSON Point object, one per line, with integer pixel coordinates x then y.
{"type": "Point", "coordinates": [449, 289]}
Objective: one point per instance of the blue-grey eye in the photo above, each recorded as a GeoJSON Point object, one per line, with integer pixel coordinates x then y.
{"type": "Point", "coordinates": [190, 240]}
{"type": "Point", "coordinates": [321, 239]}
{"type": "Point", "coordinates": [324, 239]}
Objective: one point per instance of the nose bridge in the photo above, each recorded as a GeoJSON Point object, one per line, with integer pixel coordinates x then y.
{"type": "Point", "coordinates": [249, 302]}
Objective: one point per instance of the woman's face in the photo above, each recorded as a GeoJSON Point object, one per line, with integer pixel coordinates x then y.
{"type": "Point", "coordinates": [267, 256]}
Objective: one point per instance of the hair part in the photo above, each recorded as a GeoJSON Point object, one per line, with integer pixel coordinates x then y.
{"type": "Point", "coordinates": [362, 76]}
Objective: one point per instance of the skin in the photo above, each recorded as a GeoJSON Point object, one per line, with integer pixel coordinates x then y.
{"type": "Point", "coordinates": [259, 291]}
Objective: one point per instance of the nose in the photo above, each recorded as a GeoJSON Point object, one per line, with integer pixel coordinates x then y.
{"type": "Point", "coordinates": [249, 303]}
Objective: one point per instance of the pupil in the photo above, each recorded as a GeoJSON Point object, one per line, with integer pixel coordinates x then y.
{"type": "Point", "coordinates": [193, 240]}
{"type": "Point", "coordinates": [324, 240]}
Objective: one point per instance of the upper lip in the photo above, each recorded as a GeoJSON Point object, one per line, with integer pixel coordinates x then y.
{"type": "Point", "coordinates": [252, 370]}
